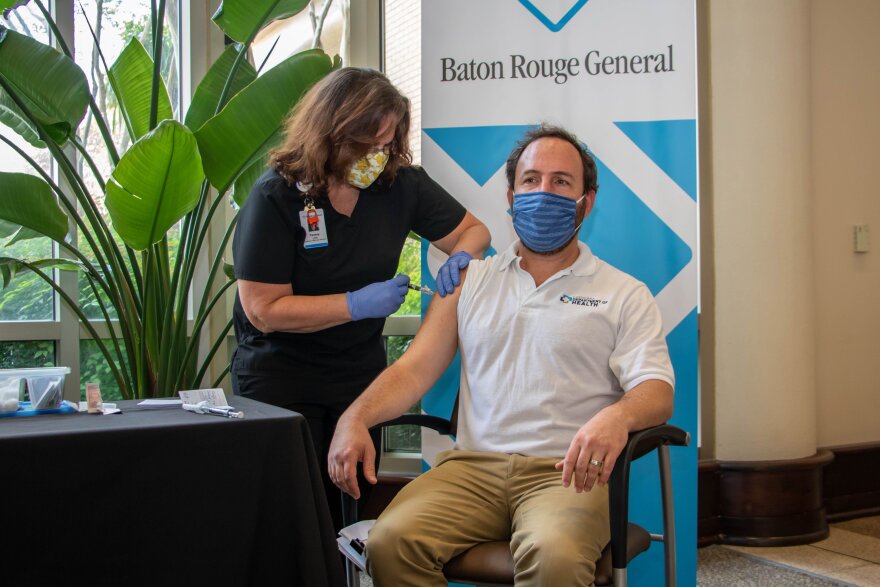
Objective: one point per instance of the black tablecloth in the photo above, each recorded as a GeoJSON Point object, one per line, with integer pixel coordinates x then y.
{"type": "Point", "coordinates": [164, 497]}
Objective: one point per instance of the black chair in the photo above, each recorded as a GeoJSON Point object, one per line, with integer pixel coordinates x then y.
{"type": "Point", "coordinates": [491, 565]}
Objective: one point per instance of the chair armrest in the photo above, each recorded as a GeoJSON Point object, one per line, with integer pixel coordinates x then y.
{"type": "Point", "coordinates": [639, 444]}
{"type": "Point", "coordinates": [644, 441]}
{"type": "Point", "coordinates": [441, 425]}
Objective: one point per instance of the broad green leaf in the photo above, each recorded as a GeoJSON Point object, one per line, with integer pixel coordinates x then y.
{"type": "Point", "coordinates": [22, 234]}
{"type": "Point", "coordinates": [28, 201]}
{"type": "Point", "coordinates": [204, 102]}
{"type": "Point", "coordinates": [242, 187]}
{"type": "Point", "coordinates": [49, 84]}
{"type": "Point", "coordinates": [15, 233]}
{"type": "Point", "coordinates": [10, 4]}
{"type": "Point", "coordinates": [241, 19]}
{"type": "Point", "coordinates": [8, 228]}
{"type": "Point", "coordinates": [156, 182]}
{"type": "Point", "coordinates": [131, 76]}
{"type": "Point", "coordinates": [229, 270]}
{"type": "Point", "coordinates": [10, 267]}
{"type": "Point", "coordinates": [251, 123]}
{"type": "Point", "coordinates": [12, 116]}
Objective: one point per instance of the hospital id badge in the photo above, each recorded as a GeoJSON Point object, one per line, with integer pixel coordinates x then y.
{"type": "Point", "coordinates": [312, 221]}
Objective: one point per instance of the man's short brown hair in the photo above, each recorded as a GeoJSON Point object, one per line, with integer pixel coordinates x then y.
{"type": "Point", "coordinates": [556, 132]}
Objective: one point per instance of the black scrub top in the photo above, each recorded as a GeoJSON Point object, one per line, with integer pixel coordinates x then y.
{"type": "Point", "coordinates": [362, 249]}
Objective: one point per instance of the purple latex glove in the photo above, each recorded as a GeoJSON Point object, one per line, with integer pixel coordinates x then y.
{"type": "Point", "coordinates": [379, 299]}
{"type": "Point", "coordinates": [448, 275]}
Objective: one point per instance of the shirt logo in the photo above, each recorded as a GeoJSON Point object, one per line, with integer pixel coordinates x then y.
{"type": "Point", "coordinates": [582, 301]}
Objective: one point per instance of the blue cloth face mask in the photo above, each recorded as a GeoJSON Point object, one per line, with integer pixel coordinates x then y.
{"type": "Point", "coordinates": [544, 221]}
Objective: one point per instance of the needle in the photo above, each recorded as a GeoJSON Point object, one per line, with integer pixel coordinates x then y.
{"type": "Point", "coordinates": [424, 288]}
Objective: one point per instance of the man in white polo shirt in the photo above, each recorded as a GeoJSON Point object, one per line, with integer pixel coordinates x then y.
{"type": "Point", "coordinates": [562, 356]}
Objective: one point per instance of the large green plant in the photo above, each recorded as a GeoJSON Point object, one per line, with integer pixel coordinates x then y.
{"type": "Point", "coordinates": [164, 179]}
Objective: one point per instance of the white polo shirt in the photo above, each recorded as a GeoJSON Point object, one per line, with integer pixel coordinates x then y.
{"type": "Point", "coordinates": [539, 362]}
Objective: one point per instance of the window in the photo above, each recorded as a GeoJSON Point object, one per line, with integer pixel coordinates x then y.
{"type": "Point", "coordinates": [16, 354]}
{"type": "Point", "coordinates": [37, 329]}
{"type": "Point", "coordinates": [322, 25]}
{"type": "Point", "coordinates": [27, 297]}
{"type": "Point", "coordinates": [401, 52]}
{"type": "Point", "coordinates": [403, 60]}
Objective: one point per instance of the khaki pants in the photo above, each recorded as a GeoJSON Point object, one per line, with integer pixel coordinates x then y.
{"type": "Point", "coordinates": [556, 535]}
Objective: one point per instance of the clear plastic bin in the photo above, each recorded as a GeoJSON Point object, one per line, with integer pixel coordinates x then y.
{"type": "Point", "coordinates": [10, 392]}
{"type": "Point", "coordinates": [44, 385]}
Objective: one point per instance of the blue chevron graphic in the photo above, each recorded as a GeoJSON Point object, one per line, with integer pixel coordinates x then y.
{"type": "Point", "coordinates": [672, 145]}
{"type": "Point", "coordinates": [553, 26]}
{"type": "Point", "coordinates": [623, 231]}
{"type": "Point", "coordinates": [478, 150]}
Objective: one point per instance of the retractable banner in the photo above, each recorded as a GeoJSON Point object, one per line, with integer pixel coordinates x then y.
{"type": "Point", "coordinates": [622, 77]}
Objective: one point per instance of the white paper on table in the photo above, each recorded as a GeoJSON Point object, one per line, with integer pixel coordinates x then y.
{"type": "Point", "coordinates": [160, 403]}
{"type": "Point", "coordinates": [214, 398]}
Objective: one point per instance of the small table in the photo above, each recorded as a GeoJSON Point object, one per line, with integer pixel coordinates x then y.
{"type": "Point", "coordinates": [164, 497]}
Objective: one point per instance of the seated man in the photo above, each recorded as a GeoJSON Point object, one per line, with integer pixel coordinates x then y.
{"type": "Point", "coordinates": [562, 356]}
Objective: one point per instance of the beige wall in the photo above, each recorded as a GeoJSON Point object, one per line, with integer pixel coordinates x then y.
{"type": "Point", "coordinates": [846, 191]}
{"type": "Point", "coordinates": [789, 98]}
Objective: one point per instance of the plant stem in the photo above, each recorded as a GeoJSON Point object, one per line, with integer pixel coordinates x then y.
{"type": "Point", "coordinates": [55, 32]}
{"type": "Point", "coordinates": [165, 300]}
{"type": "Point", "coordinates": [230, 78]}
{"type": "Point", "coordinates": [220, 340]}
{"type": "Point", "coordinates": [113, 336]}
{"type": "Point", "coordinates": [197, 326]}
{"type": "Point", "coordinates": [96, 112]}
{"type": "Point", "coordinates": [157, 63]}
{"type": "Point", "coordinates": [218, 257]}
{"type": "Point", "coordinates": [188, 262]}
{"type": "Point", "coordinates": [222, 375]}
{"type": "Point", "coordinates": [105, 131]}
{"type": "Point", "coordinates": [90, 162]}
{"type": "Point", "coordinates": [170, 329]}
{"type": "Point", "coordinates": [203, 233]}
{"type": "Point", "coordinates": [227, 87]}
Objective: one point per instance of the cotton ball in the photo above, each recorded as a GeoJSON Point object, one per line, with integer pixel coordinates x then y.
{"type": "Point", "coordinates": [9, 405]}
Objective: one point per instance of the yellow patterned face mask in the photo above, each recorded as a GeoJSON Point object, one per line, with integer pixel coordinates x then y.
{"type": "Point", "coordinates": [367, 169]}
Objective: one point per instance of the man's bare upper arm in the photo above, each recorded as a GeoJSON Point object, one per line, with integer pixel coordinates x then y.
{"type": "Point", "coordinates": [436, 341]}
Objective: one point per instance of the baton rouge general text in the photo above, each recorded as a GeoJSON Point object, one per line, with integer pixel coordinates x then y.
{"type": "Point", "coordinates": [560, 70]}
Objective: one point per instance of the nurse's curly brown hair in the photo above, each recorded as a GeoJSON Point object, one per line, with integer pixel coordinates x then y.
{"type": "Point", "coordinates": [336, 123]}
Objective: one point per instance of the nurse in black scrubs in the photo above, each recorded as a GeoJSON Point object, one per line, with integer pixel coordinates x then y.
{"type": "Point", "coordinates": [317, 246]}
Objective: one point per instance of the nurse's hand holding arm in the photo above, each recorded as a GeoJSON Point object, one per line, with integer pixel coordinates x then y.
{"type": "Point", "coordinates": [467, 241]}
{"type": "Point", "coordinates": [448, 275]}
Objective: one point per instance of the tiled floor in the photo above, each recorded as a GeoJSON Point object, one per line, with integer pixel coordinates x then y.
{"type": "Point", "coordinates": [851, 553]}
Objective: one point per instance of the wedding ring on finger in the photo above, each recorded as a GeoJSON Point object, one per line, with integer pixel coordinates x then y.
{"type": "Point", "coordinates": [596, 463]}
